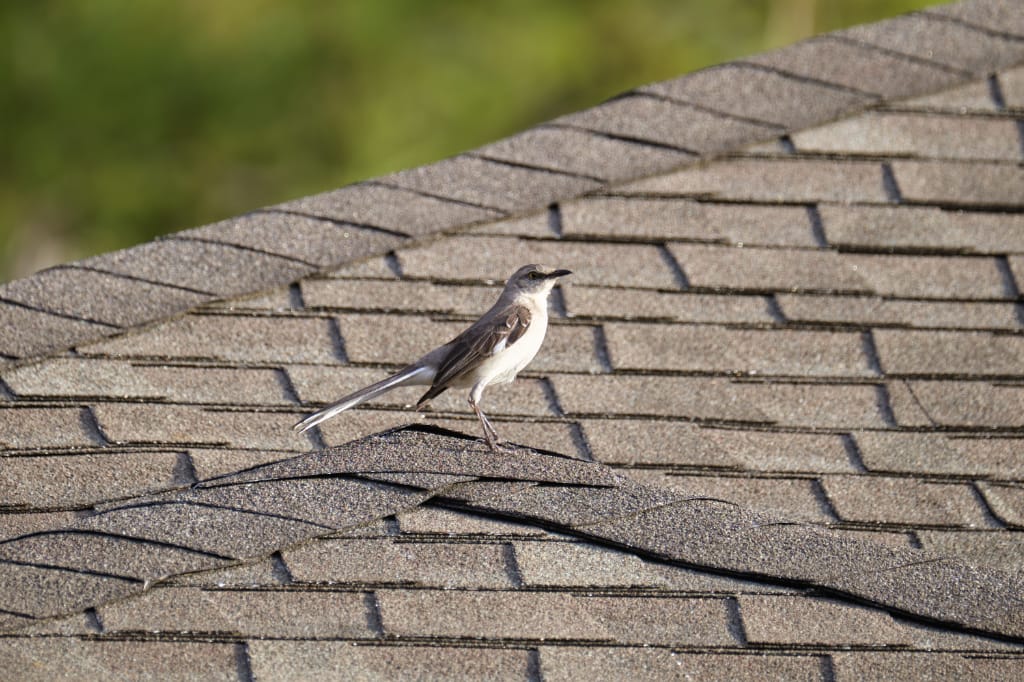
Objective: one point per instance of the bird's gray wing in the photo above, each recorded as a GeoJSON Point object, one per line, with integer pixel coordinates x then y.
{"type": "Point", "coordinates": [490, 335]}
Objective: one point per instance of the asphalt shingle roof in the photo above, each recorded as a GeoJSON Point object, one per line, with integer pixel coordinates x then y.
{"type": "Point", "coordinates": [774, 431]}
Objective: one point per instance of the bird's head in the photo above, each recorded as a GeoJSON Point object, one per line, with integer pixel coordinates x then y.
{"type": "Point", "coordinates": [533, 279]}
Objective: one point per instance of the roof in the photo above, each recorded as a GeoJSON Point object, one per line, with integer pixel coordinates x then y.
{"type": "Point", "coordinates": [774, 430]}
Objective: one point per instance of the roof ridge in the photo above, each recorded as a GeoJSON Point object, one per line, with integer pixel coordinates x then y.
{"type": "Point", "coordinates": [698, 116]}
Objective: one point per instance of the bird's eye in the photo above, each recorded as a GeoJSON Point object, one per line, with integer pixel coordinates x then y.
{"type": "Point", "coordinates": [535, 275]}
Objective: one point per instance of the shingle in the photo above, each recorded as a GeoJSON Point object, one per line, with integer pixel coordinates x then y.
{"type": "Point", "coordinates": [960, 183]}
{"type": "Point", "coordinates": [1006, 502]}
{"type": "Point", "coordinates": [405, 296]}
{"type": "Point", "coordinates": [99, 297]}
{"type": "Point", "coordinates": [633, 304]}
{"type": "Point", "coordinates": [1012, 85]}
{"type": "Point", "coordinates": [583, 565]}
{"type": "Point", "coordinates": [1017, 269]}
{"type": "Point", "coordinates": [71, 480]}
{"type": "Point", "coordinates": [760, 94]}
{"type": "Point", "coordinates": [693, 397]}
{"type": "Point", "coordinates": [708, 348]}
{"type": "Point", "coordinates": [495, 258]}
{"type": "Point", "coordinates": [536, 225]}
{"type": "Point", "coordinates": [859, 67]}
{"type": "Point", "coordinates": [46, 659]}
{"type": "Point", "coordinates": [970, 403]}
{"type": "Point", "coordinates": [684, 127]}
{"type": "Point", "coordinates": [386, 561]}
{"type": "Point", "coordinates": [949, 352]}
{"type": "Point", "coordinates": [963, 277]}
{"type": "Point", "coordinates": [866, 665]}
{"type": "Point", "coordinates": [661, 443]}
{"type": "Point", "coordinates": [942, 42]}
{"type": "Point", "coordinates": [85, 377]}
{"type": "Point", "coordinates": [321, 243]}
{"type": "Point", "coordinates": [434, 521]}
{"type": "Point", "coordinates": [13, 524]}
{"type": "Point", "coordinates": [974, 97]}
{"type": "Point", "coordinates": [793, 499]}
{"type": "Point", "coordinates": [44, 427]}
{"type": "Point", "coordinates": [259, 573]}
{"type": "Point", "coordinates": [262, 613]}
{"type": "Point", "coordinates": [154, 423]}
{"type": "Point", "coordinates": [771, 180]}
{"type": "Point", "coordinates": [818, 405]}
{"type": "Point", "coordinates": [25, 332]}
{"type": "Point", "coordinates": [104, 554]}
{"type": "Point", "coordinates": [327, 384]}
{"type": "Point", "coordinates": [228, 337]}
{"type": "Point", "coordinates": [217, 269]}
{"type": "Point", "coordinates": [876, 311]}
{"type": "Point", "coordinates": [879, 499]}
{"type": "Point", "coordinates": [41, 592]}
{"type": "Point", "coordinates": [391, 208]}
{"type": "Point", "coordinates": [553, 615]}
{"type": "Point", "coordinates": [208, 463]}
{"type": "Point", "coordinates": [783, 620]}
{"type": "Point", "coordinates": [995, 15]}
{"type": "Point", "coordinates": [490, 184]}
{"type": "Point", "coordinates": [583, 153]}
{"type": "Point", "coordinates": [1001, 549]}
{"type": "Point", "coordinates": [623, 663]}
{"type": "Point", "coordinates": [224, 532]}
{"type": "Point", "coordinates": [922, 135]}
{"type": "Point", "coordinates": [935, 453]}
{"type": "Point", "coordinates": [277, 300]}
{"type": "Point", "coordinates": [754, 269]}
{"type": "Point", "coordinates": [380, 267]}
{"type": "Point", "coordinates": [682, 219]}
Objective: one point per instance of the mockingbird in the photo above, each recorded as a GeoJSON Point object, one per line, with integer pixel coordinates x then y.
{"type": "Point", "coordinates": [493, 350]}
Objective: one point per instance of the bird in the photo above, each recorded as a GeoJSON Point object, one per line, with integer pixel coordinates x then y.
{"type": "Point", "coordinates": [493, 350]}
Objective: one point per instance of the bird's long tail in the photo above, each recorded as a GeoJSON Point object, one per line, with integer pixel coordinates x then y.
{"type": "Point", "coordinates": [414, 374]}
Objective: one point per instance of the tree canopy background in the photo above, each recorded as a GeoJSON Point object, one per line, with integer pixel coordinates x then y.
{"type": "Point", "coordinates": [126, 120]}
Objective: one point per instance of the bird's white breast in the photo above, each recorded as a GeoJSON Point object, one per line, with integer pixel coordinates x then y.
{"type": "Point", "coordinates": [503, 366]}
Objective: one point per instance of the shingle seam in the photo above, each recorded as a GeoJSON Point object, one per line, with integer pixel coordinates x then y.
{"type": "Point", "coordinates": [483, 156]}
{"type": "Point", "coordinates": [625, 138]}
{"type": "Point", "coordinates": [54, 313]}
{"type": "Point", "coordinates": [341, 222]}
{"type": "Point", "coordinates": [78, 570]}
{"type": "Point", "coordinates": [870, 98]}
{"type": "Point", "coordinates": [931, 14]}
{"type": "Point", "coordinates": [132, 278]}
{"type": "Point", "coordinates": [183, 237]}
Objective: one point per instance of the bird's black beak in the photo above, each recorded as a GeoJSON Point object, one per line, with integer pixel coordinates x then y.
{"type": "Point", "coordinates": [558, 273]}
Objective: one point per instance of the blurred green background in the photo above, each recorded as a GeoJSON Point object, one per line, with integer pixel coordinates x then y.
{"type": "Point", "coordinates": [123, 120]}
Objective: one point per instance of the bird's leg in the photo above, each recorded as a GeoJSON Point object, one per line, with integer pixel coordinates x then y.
{"type": "Point", "coordinates": [490, 435]}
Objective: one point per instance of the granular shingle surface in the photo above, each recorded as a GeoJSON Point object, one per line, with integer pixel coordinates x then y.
{"type": "Point", "coordinates": [774, 432]}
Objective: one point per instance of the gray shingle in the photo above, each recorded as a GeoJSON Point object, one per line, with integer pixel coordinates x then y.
{"type": "Point", "coordinates": [782, 620]}
{"type": "Point", "coordinates": [864, 665]}
{"type": "Point", "coordinates": [261, 613]}
{"type": "Point", "coordinates": [13, 524]}
{"type": "Point", "coordinates": [391, 208]}
{"type": "Point", "coordinates": [624, 663]}
{"type": "Point", "coordinates": [1006, 502]}
{"type": "Point", "coordinates": [25, 332]}
{"type": "Point", "coordinates": [684, 127]}
{"type": "Point", "coordinates": [879, 499]}
{"type": "Point", "coordinates": [974, 97]}
{"type": "Point", "coordinates": [970, 403]}
{"type": "Point", "coordinates": [771, 180]}
{"type": "Point", "coordinates": [857, 66]}
{"type": "Point", "coordinates": [553, 615]}
{"type": "Point", "coordinates": [734, 351]}
{"type": "Point", "coordinates": [760, 94]}
{"type": "Point", "coordinates": [634, 304]}
{"type": "Point", "coordinates": [489, 184]}
{"type": "Point", "coordinates": [387, 561]}
{"type": "Point", "coordinates": [681, 219]}
{"type": "Point", "coordinates": [41, 591]}
{"type": "Point", "coordinates": [961, 183]}
{"type": "Point", "coordinates": [665, 443]}
{"type": "Point", "coordinates": [406, 296]}
{"type": "Point", "coordinates": [495, 258]}
{"type": "Point", "coordinates": [949, 352]}
{"type": "Point", "coordinates": [99, 297]}
{"type": "Point", "coordinates": [228, 337]}
{"type": "Point", "coordinates": [1002, 549]}
{"type": "Point", "coordinates": [872, 311]}
{"type": "Point", "coordinates": [934, 453]}
{"type": "Point", "coordinates": [46, 659]}
{"type": "Point", "coordinates": [44, 427]}
{"type": "Point", "coordinates": [584, 153]}
{"type": "Point", "coordinates": [930, 276]}
{"type": "Point", "coordinates": [1012, 85]}
{"type": "Point", "coordinates": [928, 136]}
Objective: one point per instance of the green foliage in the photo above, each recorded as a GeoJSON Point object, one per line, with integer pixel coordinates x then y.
{"type": "Point", "coordinates": [126, 120]}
